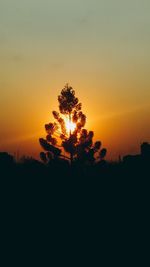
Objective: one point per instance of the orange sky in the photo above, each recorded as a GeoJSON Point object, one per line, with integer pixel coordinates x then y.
{"type": "Point", "coordinates": [101, 48]}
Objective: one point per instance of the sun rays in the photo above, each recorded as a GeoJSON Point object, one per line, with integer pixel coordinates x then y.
{"type": "Point", "coordinates": [70, 126]}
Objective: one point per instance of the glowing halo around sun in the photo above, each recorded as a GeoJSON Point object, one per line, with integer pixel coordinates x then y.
{"type": "Point", "coordinates": [70, 126]}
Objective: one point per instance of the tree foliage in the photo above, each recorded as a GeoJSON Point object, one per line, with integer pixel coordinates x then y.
{"type": "Point", "coordinates": [77, 143]}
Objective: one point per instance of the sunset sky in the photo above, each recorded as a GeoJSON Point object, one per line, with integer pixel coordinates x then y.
{"type": "Point", "coordinates": [100, 47]}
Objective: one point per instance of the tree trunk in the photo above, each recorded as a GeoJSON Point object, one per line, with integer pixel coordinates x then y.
{"type": "Point", "coordinates": [70, 123]}
{"type": "Point", "coordinates": [71, 154]}
{"type": "Point", "coordinates": [71, 158]}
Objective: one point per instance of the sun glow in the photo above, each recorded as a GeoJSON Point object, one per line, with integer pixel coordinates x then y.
{"type": "Point", "coordinates": [70, 126]}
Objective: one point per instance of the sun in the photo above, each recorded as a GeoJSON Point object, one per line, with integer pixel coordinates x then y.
{"type": "Point", "coordinates": [70, 126]}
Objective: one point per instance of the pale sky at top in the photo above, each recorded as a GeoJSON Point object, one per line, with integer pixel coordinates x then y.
{"type": "Point", "coordinates": [100, 47]}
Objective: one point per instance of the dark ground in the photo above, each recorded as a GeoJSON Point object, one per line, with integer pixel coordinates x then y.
{"type": "Point", "coordinates": [66, 212]}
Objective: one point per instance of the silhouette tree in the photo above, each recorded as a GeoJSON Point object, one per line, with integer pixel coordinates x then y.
{"type": "Point", "coordinates": [68, 134]}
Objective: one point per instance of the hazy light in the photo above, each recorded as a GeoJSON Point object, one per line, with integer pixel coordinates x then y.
{"type": "Point", "coordinates": [70, 126]}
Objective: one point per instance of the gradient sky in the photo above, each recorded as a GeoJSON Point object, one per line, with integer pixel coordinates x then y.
{"type": "Point", "coordinates": [100, 47]}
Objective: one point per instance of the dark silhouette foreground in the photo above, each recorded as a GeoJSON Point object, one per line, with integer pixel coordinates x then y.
{"type": "Point", "coordinates": [130, 169]}
{"type": "Point", "coordinates": [71, 208]}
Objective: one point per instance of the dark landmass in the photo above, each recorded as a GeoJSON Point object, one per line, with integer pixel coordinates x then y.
{"type": "Point", "coordinates": [103, 205]}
